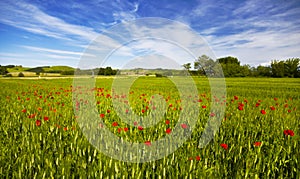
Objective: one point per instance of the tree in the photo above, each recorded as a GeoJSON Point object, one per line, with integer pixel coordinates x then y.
{"type": "Point", "coordinates": [187, 66]}
{"type": "Point", "coordinates": [3, 70]}
{"type": "Point", "coordinates": [277, 68]}
{"type": "Point", "coordinates": [205, 65]}
{"type": "Point", "coordinates": [263, 71]}
{"type": "Point", "coordinates": [229, 60]}
{"type": "Point", "coordinates": [21, 74]}
{"type": "Point", "coordinates": [291, 67]}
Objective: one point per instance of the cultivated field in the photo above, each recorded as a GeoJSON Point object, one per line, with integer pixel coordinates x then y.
{"type": "Point", "coordinates": [258, 137]}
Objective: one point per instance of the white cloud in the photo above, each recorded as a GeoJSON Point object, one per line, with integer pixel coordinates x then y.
{"type": "Point", "coordinates": [30, 18]}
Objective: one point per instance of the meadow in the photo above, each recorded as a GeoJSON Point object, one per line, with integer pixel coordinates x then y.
{"type": "Point", "coordinates": [258, 138]}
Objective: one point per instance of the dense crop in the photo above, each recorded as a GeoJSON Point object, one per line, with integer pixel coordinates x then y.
{"type": "Point", "coordinates": [259, 136]}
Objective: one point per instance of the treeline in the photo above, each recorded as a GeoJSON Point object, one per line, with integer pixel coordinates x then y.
{"type": "Point", "coordinates": [231, 67]}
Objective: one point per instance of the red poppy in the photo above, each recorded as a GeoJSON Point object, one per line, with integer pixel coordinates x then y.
{"type": "Point", "coordinates": [120, 129]}
{"type": "Point", "coordinates": [263, 112]}
{"type": "Point", "coordinates": [197, 158]}
{"type": "Point", "coordinates": [46, 118]}
{"type": "Point", "coordinates": [65, 128]}
{"type": "Point", "coordinates": [289, 132]}
{"type": "Point", "coordinates": [31, 116]}
{"type": "Point", "coordinates": [167, 122]}
{"type": "Point", "coordinates": [135, 123]}
{"type": "Point", "coordinates": [272, 108]}
{"type": "Point", "coordinates": [257, 104]}
{"type": "Point", "coordinates": [170, 105]}
{"type": "Point", "coordinates": [289, 111]}
{"type": "Point", "coordinates": [275, 99]}
{"type": "Point", "coordinates": [240, 108]}
{"type": "Point", "coordinates": [143, 110]}
{"type": "Point", "coordinates": [108, 111]}
{"type": "Point", "coordinates": [224, 146]}
{"type": "Point", "coordinates": [184, 126]}
{"type": "Point", "coordinates": [191, 158]}
{"type": "Point", "coordinates": [257, 144]}
{"type": "Point", "coordinates": [24, 110]}
{"type": "Point", "coordinates": [140, 128]}
{"type": "Point", "coordinates": [236, 98]}
{"type": "Point", "coordinates": [38, 122]}
{"type": "Point", "coordinates": [114, 124]}
{"type": "Point", "coordinates": [125, 129]}
{"type": "Point", "coordinates": [148, 143]}
{"type": "Point", "coordinates": [203, 106]}
{"type": "Point", "coordinates": [168, 131]}
{"type": "Point", "coordinates": [102, 115]}
{"type": "Point", "coordinates": [212, 114]}
{"type": "Point", "coordinates": [245, 100]}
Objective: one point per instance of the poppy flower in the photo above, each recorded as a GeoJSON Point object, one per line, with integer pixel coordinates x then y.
{"type": "Point", "coordinates": [102, 115]}
{"type": "Point", "coordinates": [120, 129]}
{"type": "Point", "coordinates": [275, 99]}
{"type": "Point", "coordinates": [168, 131]}
{"type": "Point", "coordinates": [143, 110]}
{"type": "Point", "coordinates": [46, 118]}
{"type": "Point", "coordinates": [240, 108]}
{"type": "Point", "coordinates": [191, 158]}
{"type": "Point", "coordinates": [167, 122]}
{"type": "Point", "coordinates": [263, 112]}
{"type": "Point", "coordinates": [31, 116]}
{"type": "Point", "coordinates": [125, 129]}
{"type": "Point", "coordinates": [289, 132]}
{"type": "Point", "coordinates": [236, 97]}
{"type": "Point", "coordinates": [135, 123]}
{"type": "Point", "coordinates": [224, 146]}
{"type": "Point", "coordinates": [65, 128]}
{"type": "Point", "coordinates": [197, 158]}
{"type": "Point", "coordinates": [257, 144]}
{"type": "Point", "coordinates": [289, 111]}
{"type": "Point", "coordinates": [212, 114]}
{"type": "Point", "coordinates": [184, 126]}
{"type": "Point", "coordinates": [203, 107]}
{"type": "Point", "coordinates": [140, 128]}
{"type": "Point", "coordinates": [24, 110]}
{"type": "Point", "coordinates": [38, 122]}
{"type": "Point", "coordinates": [257, 104]}
{"type": "Point", "coordinates": [272, 108]}
{"type": "Point", "coordinates": [114, 124]}
{"type": "Point", "coordinates": [108, 111]}
{"type": "Point", "coordinates": [148, 143]}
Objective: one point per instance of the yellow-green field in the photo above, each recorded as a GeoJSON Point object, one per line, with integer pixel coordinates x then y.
{"type": "Point", "coordinates": [258, 137]}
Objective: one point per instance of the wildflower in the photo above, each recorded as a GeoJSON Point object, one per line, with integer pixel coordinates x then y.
{"type": "Point", "coordinates": [114, 124]}
{"type": "Point", "coordinates": [289, 132]}
{"type": "Point", "coordinates": [46, 118]}
{"type": "Point", "coordinates": [168, 131]}
{"type": "Point", "coordinates": [148, 143]}
{"type": "Point", "coordinates": [257, 144]}
{"type": "Point", "coordinates": [184, 126]}
{"type": "Point", "coordinates": [224, 146]}
{"type": "Point", "coordinates": [38, 123]}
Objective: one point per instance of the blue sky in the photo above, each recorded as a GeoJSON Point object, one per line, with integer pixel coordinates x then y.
{"type": "Point", "coordinates": [51, 32]}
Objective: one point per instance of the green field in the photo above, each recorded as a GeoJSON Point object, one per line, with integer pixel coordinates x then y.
{"type": "Point", "coordinates": [258, 137]}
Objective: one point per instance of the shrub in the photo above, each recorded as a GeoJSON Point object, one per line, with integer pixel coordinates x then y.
{"type": "Point", "coordinates": [21, 74]}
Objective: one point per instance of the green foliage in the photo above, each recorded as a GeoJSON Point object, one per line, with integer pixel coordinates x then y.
{"type": "Point", "coordinates": [3, 70]}
{"type": "Point", "coordinates": [107, 71]}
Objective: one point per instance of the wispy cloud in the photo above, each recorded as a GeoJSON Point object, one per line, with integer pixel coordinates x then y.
{"type": "Point", "coordinates": [30, 18]}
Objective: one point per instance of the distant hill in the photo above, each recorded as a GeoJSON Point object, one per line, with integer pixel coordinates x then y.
{"type": "Point", "coordinates": [41, 69]}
